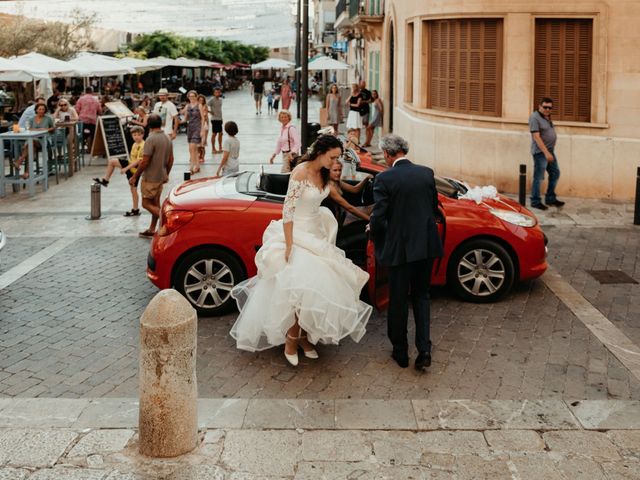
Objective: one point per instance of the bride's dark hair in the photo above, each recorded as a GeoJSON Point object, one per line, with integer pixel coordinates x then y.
{"type": "Point", "coordinates": [322, 145]}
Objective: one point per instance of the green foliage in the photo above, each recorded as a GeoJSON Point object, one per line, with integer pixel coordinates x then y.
{"type": "Point", "coordinates": [170, 45]}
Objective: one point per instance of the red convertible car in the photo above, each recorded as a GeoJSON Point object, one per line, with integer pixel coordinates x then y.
{"type": "Point", "coordinates": [211, 229]}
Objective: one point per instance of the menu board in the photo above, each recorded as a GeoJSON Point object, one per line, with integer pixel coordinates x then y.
{"type": "Point", "coordinates": [109, 139]}
{"type": "Point", "coordinates": [119, 109]}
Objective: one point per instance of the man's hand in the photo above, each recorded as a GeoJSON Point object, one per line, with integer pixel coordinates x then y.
{"type": "Point", "coordinates": [272, 158]}
{"type": "Point", "coordinates": [133, 180]}
{"type": "Point", "coordinates": [173, 135]}
{"type": "Point", "coordinates": [549, 157]}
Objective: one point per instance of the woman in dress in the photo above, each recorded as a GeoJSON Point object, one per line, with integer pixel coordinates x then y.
{"type": "Point", "coordinates": [204, 134]}
{"type": "Point", "coordinates": [286, 95]}
{"type": "Point", "coordinates": [336, 190]}
{"type": "Point", "coordinates": [334, 108]}
{"type": "Point", "coordinates": [306, 290]}
{"type": "Point", "coordinates": [193, 116]}
{"type": "Point", "coordinates": [354, 120]}
{"type": "Point", "coordinates": [376, 119]}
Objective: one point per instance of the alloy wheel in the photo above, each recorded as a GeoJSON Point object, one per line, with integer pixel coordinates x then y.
{"type": "Point", "coordinates": [208, 283]}
{"type": "Point", "coordinates": [481, 272]}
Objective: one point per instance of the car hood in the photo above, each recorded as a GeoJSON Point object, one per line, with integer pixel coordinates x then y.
{"type": "Point", "coordinates": [212, 193]}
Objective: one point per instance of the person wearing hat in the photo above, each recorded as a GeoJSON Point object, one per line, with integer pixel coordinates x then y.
{"type": "Point", "coordinates": [168, 113]}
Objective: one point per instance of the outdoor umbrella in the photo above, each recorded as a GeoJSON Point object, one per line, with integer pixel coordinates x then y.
{"type": "Point", "coordinates": [327, 63]}
{"type": "Point", "coordinates": [96, 65]}
{"type": "Point", "coordinates": [54, 67]}
{"type": "Point", "coordinates": [140, 65]}
{"type": "Point", "coordinates": [14, 71]}
{"type": "Point", "coordinates": [272, 63]}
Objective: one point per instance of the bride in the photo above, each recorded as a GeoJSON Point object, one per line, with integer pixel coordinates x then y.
{"type": "Point", "coordinates": [306, 290]}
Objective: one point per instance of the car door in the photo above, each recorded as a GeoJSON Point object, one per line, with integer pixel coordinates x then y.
{"type": "Point", "coordinates": [378, 286]}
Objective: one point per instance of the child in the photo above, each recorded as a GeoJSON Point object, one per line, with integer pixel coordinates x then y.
{"type": "Point", "coordinates": [137, 133]}
{"type": "Point", "coordinates": [270, 102]}
{"type": "Point", "coordinates": [230, 151]}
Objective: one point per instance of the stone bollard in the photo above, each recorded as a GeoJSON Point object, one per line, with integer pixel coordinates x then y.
{"type": "Point", "coordinates": [168, 421]}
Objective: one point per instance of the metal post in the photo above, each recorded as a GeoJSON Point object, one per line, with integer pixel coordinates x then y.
{"type": "Point", "coordinates": [522, 188]}
{"type": "Point", "coordinates": [303, 86]}
{"type": "Point", "coordinates": [95, 202]}
{"type": "Point", "coordinates": [187, 176]}
{"type": "Point", "coordinates": [636, 214]}
{"type": "Point", "coordinates": [298, 64]}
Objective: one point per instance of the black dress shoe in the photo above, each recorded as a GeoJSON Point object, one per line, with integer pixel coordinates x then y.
{"type": "Point", "coordinates": [402, 359]}
{"type": "Point", "coordinates": [556, 203]}
{"type": "Point", "coordinates": [423, 361]}
{"type": "Point", "coordinates": [539, 206]}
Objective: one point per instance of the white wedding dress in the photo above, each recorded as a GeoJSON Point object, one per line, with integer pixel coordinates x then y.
{"type": "Point", "coordinates": [318, 284]}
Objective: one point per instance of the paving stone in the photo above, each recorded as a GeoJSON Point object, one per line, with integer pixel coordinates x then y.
{"type": "Point", "coordinates": [336, 470]}
{"type": "Point", "coordinates": [101, 442]}
{"type": "Point", "coordinates": [623, 470]}
{"type": "Point", "coordinates": [265, 413]}
{"type": "Point", "coordinates": [40, 448]}
{"type": "Point", "coordinates": [116, 475]}
{"type": "Point", "coordinates": [582, 443]}
{"type": "Point", "coordinates": [375, 414]}
{"type": "Point", "coordinates": [109, 413]}
{"type": "Point", "coordinates": [504, 441]}
{"type": "Point", "coordinates": [42, 412]}
{"type": "Point", "coordinates": [261, 452]}
{"type": "Point", "coordinates": [396, 448]}
{"type": "Point", "coordinates": [473, 467]}
{"type": "Point", "coordinates": [607, 414]}
{"type": "Point", "coordinates": [221, 413]}
{"type": "Point", "coordinates": [13, 473]}
{"type": "Point", "coordinates": [454, 443]}
{"type": "Point", "coordinates": [65, 473]}
{"type": "Point", "coordinates": [198, 472]}
{"type": "Point", "coordinates": [454, 415]}
{"type": "Point", "coordinates": [579, 468]}
{"type": "Point", "coordinates": [628, 442]}
{"type": "Point", "coordinates": [339, 446]}
{"type": "Point", "coordinates": [9, 440]}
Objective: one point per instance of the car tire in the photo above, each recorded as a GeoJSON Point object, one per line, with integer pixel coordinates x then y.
{"type": "Point", "coordinates": [205, 278]}
{"type": "Point", "coordinates": [480, 271]}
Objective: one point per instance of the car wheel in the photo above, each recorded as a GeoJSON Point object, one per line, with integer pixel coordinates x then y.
{"type": "Point", "coordinates": [205, 278]}
{"type": "Point", "coordinates": [480, 271]}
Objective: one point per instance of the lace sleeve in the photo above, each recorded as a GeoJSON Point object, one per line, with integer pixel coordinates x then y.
{"type": "Point", "coordinates": [293, 195]}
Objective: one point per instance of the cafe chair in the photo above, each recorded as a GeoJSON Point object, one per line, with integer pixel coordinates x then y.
{"type": "Point", "coordinates": [59, 153]}
{"type": "Point", "coordinates": [80, 146]}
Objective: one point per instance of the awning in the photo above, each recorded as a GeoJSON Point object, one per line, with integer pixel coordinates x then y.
{"type": "Point", "coordinates": [96, 65]}
{"type": "Point", "coordinates": [327, 63]}
{"type": "Point", "coordinates": [140, 65]}
{"type": "Point", "coordinates": [14, 71]}
{"type": "Point", "coordinates": [54, 67]}
{"type": "Point", "coordinates": [272, 63]}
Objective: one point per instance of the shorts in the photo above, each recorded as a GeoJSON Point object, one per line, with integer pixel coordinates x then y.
{"type": "Point", "coordinates": [216, 126]}
{"type": "Point", "coordinates": [151, 189]}
{"type": "Point", "coordinates": [123, 163]}
{"type": "Point", "coordinates": [257, 97]}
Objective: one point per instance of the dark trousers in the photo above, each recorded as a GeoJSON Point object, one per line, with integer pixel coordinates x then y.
{"type": "Point", "coordinates": [411, 279]}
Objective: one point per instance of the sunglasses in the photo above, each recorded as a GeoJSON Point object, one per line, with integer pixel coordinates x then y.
{"type": "Point", "coordinates": [545, 107]}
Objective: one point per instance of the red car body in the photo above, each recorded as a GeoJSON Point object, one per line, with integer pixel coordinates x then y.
{"type": "Point", "coordinates": [213, 215]}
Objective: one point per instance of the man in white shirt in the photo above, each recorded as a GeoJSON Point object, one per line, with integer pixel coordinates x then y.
{"type": "Point", "coordinates": [168, 113]}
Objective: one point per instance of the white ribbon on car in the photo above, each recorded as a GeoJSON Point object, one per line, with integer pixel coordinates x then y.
{"type": "Point", "coordinates": [480, 194]}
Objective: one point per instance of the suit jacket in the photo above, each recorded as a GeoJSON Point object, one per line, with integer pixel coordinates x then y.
{"type": "Point", "coordinates": [403, 222]}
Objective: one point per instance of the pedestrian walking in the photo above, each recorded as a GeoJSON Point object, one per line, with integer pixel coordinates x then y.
{"type": "Point", "coordinates": [365, 95]}
{"type": "Point", "coordinates": [286, 94]}
{"type": "Point", "coordinates": [230, 151]}
{"type": "Point", "coordinates": [194, 117]}
{"type": "Point", "coordinates": [334, 108]}
{"type": "Point", "coordinates": [204, 134]}
{"type": "Point", "coordinates": [270, 95]}
{"type": "Point", "coordinates": [406, 239]}
{"type": "Point", "coordinates": [376, 117]}
{"type": "Point", "coordinates": [168, 113]}
{"type": "Point", "coordinates": [543, 142]}
{"type": "Point", "coordinates": [288, 142]}
{"type": "Point", "coordinates": [215, 110]}
{"type": "Point", "coordinates": [354, 102]}
{"type": "Point", "coordinates": [276, 102]}
{"type": "Point", "coordinates": [257, 90]}
{"type": "Point", "coordinates": [88, 108]}
{"type": "Point", "coordinates": [154, 169]}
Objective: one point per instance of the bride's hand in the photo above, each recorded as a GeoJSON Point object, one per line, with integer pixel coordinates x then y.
{"type": "Point", "coordinates": [287, 253]}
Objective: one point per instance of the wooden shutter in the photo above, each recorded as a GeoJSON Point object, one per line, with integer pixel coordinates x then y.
{"type": "Point", "coordinates": [408, 94]}
{"type": "Point", "coordinates": [563, 52]}
{"type": "Point", "coordinates": [465, 73]}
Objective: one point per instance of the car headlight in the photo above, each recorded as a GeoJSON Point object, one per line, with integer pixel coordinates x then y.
{"type": "Point", "coordinates": [514, 217]}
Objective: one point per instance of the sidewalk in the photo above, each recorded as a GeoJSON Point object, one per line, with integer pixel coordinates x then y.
{"type": "Point", "coordinates": [64, 439]}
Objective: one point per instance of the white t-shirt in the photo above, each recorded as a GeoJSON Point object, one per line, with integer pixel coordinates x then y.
{"type": "Point", "coordinates": [231, 145]}
{"type": "Point", "coordinates": [167, 111]}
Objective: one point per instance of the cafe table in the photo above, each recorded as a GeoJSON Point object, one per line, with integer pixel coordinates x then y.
{"type": "Point", "coordinates": [28, 136]}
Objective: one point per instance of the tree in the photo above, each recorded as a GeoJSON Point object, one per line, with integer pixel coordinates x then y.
{"type": "Point", "coordinates": [159, 44]}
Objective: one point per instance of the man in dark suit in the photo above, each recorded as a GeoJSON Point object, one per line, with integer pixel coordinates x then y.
{"type": "Point", "coordinates": [404, 230]}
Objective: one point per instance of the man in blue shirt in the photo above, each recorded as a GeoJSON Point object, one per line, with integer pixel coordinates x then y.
{"type": "Point", "coordinates": [30, 113]}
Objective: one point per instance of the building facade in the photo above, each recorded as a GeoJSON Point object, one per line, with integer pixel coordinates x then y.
{"type": "Point", "coordinates": [460, 79]}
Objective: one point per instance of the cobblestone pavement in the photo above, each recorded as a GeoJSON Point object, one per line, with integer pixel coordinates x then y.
{"type": "Point", "coordinates": [343, 439]}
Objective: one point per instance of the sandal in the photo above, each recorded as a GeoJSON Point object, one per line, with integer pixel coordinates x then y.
{"type": "Point", "coordinates": [134, 212]}
{"type": "Point", "coordinates": [292, 359]}
{"type": "Point", "coordinates": [101, 181]}
{"type": "Point", "coordinates": [313, 354]}
{"type": "Point", "coordinates": [146, 234]}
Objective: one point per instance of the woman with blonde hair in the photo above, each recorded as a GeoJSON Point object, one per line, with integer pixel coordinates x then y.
{"type": "Point", "coordinates": [204, 134]}
{"type": "Point", "coordinates": [288, 142]}
{"type": "Point", "coordinates": [354, 120]}
{"type": "Point", "coordinates": [334, 109]}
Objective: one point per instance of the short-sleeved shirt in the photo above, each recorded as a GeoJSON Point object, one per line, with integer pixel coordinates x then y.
{"type": "Point", "coordinates": [137, 152]}
{"type": "Point", "coordinates": [258, 85]}
{"type": "Point", "coordinates": [46, 122]}
{"type": "Point", "coordinates": [88, 108]}
{"type": "Point", "coordinates": [231, 145]}
{"type": "Point", "coordinates": [159, 148]}
{"type": "Point", "coordinates": [537, 123]}
{"type": "Point", "coordinates": [215, 108]}
{"type": "Point", "coordinates": [365, 95]}
{"type": "Point", "coordinates": [167, 112]}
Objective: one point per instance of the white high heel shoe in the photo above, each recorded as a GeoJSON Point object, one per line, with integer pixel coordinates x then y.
{"type": "Point", "coordinates": [292, 359]}
{"type": "Point", "coordinates": [312, 354]}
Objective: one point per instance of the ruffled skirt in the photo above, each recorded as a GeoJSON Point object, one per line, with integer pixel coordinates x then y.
{"type": "Point", "coordinates": [319, 286]}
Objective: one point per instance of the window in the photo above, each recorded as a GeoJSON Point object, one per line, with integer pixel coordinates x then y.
{"type": "Point", "coordinates": [374, 70]}
{"type": "Point", "coordinates": [563, 66]}
{"type": "Point", "coordinates": [465, 65]}
{"type": "Point", "coordinates": [408, 87]}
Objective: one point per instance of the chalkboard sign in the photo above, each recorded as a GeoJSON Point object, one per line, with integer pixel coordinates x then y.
{"type": "Point", "coordinates": [109, 139]}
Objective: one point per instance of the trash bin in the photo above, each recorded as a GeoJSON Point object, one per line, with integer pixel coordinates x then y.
{"type": "Point", "coordinates": [312, 132]}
